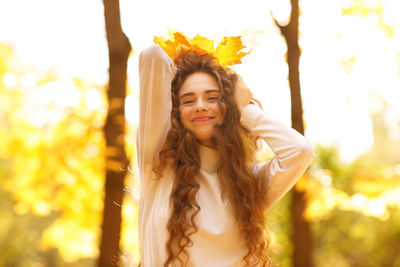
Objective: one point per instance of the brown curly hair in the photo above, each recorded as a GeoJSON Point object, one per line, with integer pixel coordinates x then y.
{"type": "Point", "coordinates": [236, 147]}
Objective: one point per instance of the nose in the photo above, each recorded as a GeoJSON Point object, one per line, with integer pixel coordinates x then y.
{"type": "Point", "coordinates": [201, 105]}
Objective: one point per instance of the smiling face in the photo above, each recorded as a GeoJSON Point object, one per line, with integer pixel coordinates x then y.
{"type": "Point", "coordinates": [199, 106]}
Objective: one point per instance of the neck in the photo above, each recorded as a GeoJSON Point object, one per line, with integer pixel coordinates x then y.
{"type": "Point", "coordinates": [207, 143]}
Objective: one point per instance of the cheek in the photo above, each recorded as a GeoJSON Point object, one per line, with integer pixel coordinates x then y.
{"type": "Point", "coordinates": [184, 115]}
{"type": "Point", "coordinates": [219, 112]}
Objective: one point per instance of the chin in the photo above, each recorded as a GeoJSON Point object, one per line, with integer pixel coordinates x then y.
{"type": "Point", "coordinates": [204, 137]}
{"type": "Point", "coordinates": [203, 140]}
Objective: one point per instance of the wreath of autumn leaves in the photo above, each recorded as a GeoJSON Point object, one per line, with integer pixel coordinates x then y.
{"type": "Point", "coordinates": [228, 51]}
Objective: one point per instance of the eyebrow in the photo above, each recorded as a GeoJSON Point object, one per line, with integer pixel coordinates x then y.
{"type": "Point", "coordinates": [207, 92]}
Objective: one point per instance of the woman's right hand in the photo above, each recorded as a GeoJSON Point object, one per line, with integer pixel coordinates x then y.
{"type": "Point", "coordinates": [243, 95]}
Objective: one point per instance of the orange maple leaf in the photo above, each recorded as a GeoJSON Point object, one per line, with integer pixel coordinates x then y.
{"type": "Point", "coordinates": [228, 51]}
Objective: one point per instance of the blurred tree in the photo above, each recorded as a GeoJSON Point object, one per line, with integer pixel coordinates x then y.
{"type": "Point", "coordinates": [302, 240]}
{"type": "Point", "coordinates": [119, 49]}
{"type": "Point", "coordinates": [386, 149]}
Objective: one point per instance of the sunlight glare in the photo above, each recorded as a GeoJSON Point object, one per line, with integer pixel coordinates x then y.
{"type": "Point", "coordinates": [392, 197]}
{"type": "Point", "coordinates": [281, 11]}
{"type": "Point", "coordinates": [377, 208]}
{"type": "Point", "coordinates": [326, 180]}
{"type": "Point", "coordinates": [391, 12]}
{"type": "Point", "coordinates": [93, 99]}
{"type": "Point", "coordinates": [62, 93]}
{"type": "Point", "coordinates": [358, 201]}
{"type": "Point", "coordinates": [41, 208]}
{"type": "Point", "coordinates": [29, 80]}
{"type": "Point", "coordinates": [132, 109]}
{"type": "Point", "coordinates": [42, 116]}
{"type": "Point", "coordinates": [10, 79]}
{"type": "Point", "coordinates": [355, 134]}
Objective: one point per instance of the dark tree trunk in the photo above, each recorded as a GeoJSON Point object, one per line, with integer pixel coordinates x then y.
{"type": "Point", "coordinates": [302, 256]}
{"type": "Point", "coordinates": [114, 131]}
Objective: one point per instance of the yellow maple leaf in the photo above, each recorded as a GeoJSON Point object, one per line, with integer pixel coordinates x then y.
{"type": "Point", "coordinates": [228, 51]}
{"type": "Point", "coordinates": [203, 43]}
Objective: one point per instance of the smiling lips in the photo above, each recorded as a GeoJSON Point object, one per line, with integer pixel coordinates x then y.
{"type": "Point", "coordinates": [202, 119]}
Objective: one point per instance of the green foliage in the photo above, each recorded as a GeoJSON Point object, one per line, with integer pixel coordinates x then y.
{"type": "Point", "coordinates": [357, 222]}
{"type": "Point", "coordinates": [279, 225]}
{"type": "Point", "coordinates": [20, 235]}
{"type": "Point", "coordinates": [349, 238]}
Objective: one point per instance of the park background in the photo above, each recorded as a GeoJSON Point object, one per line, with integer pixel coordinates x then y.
{"type": "Point", "coordinates": [54, 74]}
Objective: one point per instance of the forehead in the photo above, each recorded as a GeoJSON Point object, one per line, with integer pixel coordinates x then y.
{"type": "Point", "coordinates": [197, 83]}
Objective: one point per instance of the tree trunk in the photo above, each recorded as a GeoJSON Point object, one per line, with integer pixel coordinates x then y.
{"type": "Point", "coordinates": [302, 241]}
{"type": "Point", "coordinates": [114, 131]}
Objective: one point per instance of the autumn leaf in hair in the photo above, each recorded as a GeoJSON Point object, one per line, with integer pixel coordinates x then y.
{"type": "Point", "coordinates": [228, 51]}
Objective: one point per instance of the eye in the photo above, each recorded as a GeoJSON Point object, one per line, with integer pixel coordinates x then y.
{"type": "Point", "coordinates": [187, 101]}
{"type": "Point", "coordinates": [213, 98]}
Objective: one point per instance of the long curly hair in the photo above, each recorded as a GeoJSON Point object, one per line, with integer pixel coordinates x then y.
{"type": "Point", "coordinates": [236, 148]}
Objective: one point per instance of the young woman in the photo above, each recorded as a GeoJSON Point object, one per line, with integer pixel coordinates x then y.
{"type": "Point", "coordinates": [203, 196]}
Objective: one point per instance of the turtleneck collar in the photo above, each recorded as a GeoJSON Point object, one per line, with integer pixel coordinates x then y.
{"type": "Point", "coordinates": [209, 158]}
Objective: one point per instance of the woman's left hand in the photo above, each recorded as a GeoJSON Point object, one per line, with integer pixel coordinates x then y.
{"type": "Point", "coordinates": [243, 95]}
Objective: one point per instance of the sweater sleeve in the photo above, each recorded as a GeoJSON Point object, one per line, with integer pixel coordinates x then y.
{"type": "Point", "coordinates": [293, 153]}
{"type": "Point", "coordinates": [156, 71]}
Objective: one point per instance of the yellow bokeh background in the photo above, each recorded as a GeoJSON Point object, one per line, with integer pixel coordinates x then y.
{"type": "Point", "coordinates": [53, 80]}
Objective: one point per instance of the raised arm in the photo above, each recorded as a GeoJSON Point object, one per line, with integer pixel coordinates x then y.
{"type": "Point", "coordinates": [156, 71]}
{"type": "Point", "coordinates": [293, 153]}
